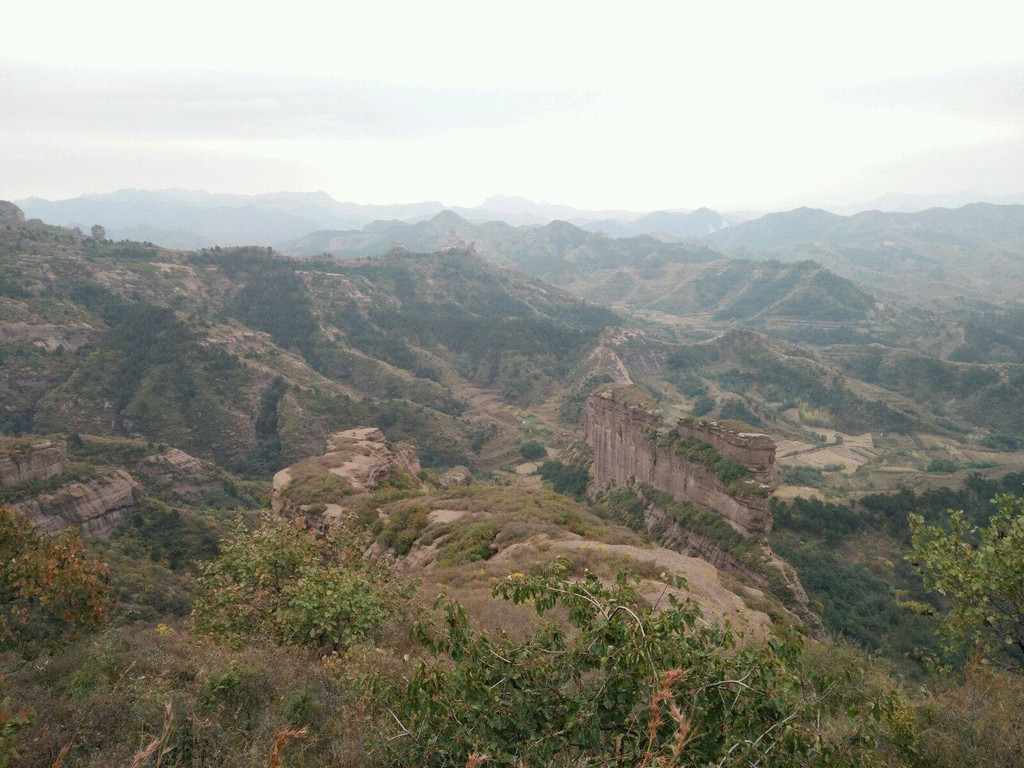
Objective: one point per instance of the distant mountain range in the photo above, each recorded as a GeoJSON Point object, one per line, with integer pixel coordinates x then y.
{"type": "Point", "coordinates": [973, 251]}
{"type": "Point", "coordinates": [177, 218]}
{"type": "Point", "coordinates": [896, 202]}
{"type": "Point", "coordinates": [680, 224]}
{"type": "Point", "coordinates": [641, 272]}
{"type": "Point", "coordinates": [554, 251]}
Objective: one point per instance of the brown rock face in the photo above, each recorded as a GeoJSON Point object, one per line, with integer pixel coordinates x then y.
{"type": "Point", "coordinates": [96, 506]}
{"type": "Point", "coordinates": [360, 456]}
{"type": "Point", "coordinates": [367, 458]}
{"type": "Point", "coordinates": [624, 454]}
{"type": "Point", "coordinates": [36, 462]}
{"type": "Point", "coordinates": [10, 213]}
{"type": "Point", "coordinates": [754, 451]}
{"type": "Point", "coordinates": [176, 475]}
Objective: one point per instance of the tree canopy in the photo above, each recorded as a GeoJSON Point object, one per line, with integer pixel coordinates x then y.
{"type": "Point", "coordinates": [981, 572]}
{"type": "Point", "coordinates": [50, 587]}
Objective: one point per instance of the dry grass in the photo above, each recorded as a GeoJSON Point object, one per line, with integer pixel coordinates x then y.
{"type": "Point", "coordinates": [281, 739]}
{"type": "Point", "coordinates": [108, 701]}
{"type": "Point", "coordinates": [157, 746]}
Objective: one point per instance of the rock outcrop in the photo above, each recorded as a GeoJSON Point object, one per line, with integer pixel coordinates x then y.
{"type": "Point", "coordinates": [361, 458]}
{"type": "Point", "coordinates": [755, 451]}
{"type": "Point", "coordinates": [37, 461]}
{"type": "Point", "coordinates": [10, 213]}
{"type": "Point", "coordinates": [175, 476]}
{"type": "Point", "coordinates": [632, 447]}
{"type": "Point", "coordinates": [95, 506]}
{"type": "Point", "coordinates": [626, 452]}
{"type": "Point", "coordinates": [48, 335]}
{"type": "Point", "coordinates": [455, 477]}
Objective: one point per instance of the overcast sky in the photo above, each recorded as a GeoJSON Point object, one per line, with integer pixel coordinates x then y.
{"type": "Point", "coordinates": [598, 105]}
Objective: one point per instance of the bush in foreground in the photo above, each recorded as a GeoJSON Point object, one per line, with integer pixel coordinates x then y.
{"type": "Point", "coordinates": [283, 582]}
{"type": "Point", "coordinates": [626, 685]}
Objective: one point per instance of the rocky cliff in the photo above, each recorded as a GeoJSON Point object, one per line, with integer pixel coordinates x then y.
{"type": "Point", "coordinates": [95, 506]}
{"type": "Point", "coordinates": [632, 447]}
{"type": "Point", "coordinates": [627, 451]}
{"type": "Point", "coordinates": [20, 462]}
{"type": "Point", "coordinates": [38, 474]}
{"type": "Point", "coordinates": [755, 451]}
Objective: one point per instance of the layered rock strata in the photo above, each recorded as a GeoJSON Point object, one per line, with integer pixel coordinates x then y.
{"type": "Point", "coordinates": [39, 461]}
{"type": "Point", "coordinates": [626, 452]}
{"type": "Point", "coordinates": [95, 506]}
{"type": "Point", "coordinates": [755, 451]}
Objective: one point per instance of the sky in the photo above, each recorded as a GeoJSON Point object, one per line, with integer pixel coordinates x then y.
{"type": "Point", "coordinates": [639, 106]}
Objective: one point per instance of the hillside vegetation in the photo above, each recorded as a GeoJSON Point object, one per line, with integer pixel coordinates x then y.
{"type": "Point", "coordinates": [250, 359]}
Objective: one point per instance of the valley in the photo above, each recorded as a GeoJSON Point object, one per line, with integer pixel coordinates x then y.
{"type": "Point", "coordinates": [466, 406]}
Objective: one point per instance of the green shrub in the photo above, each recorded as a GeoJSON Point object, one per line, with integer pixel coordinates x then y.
{"type": "Point", "coordinates": [403, 528]}
{"type": "Point", "coordinates": [628, 685]}
{"type": "Point", "coordinates": [943, 466]}
{"type": "Point", "coordinates": [532, 450]}
{"type": "Point", "coordinates": [703, 405]}
{"type": "Point", "coordinates": [812, 477]}
{"type": "Point", "coordinates": [623, 506]}
{"type": "Point", "coordinates": [568, 479]}
{"type": "Point", "coordinates": [470, 545]}
{"type": "Point", "coordinates": [282, 582]}
{"type": "Point", "coordinates": [320, 488]}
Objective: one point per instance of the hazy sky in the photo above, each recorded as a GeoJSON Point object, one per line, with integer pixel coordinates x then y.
{"type": "Point", "coordinates": [600, 105]}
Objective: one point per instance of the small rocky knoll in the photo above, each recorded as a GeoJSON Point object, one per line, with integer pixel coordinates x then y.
{"type": "Point", "coordinates": [466, 538]}
{"type": "Point", "coordinates": [176, 476]}
{"type": "Point", "coordinates": [631, 446]}
{"type": "Point", "coordinates": [356, 461]}
{"type": "Point", "coordinates": [462, 535]}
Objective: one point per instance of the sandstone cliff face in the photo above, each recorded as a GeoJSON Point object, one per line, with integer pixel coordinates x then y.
{"type": "Point", "coordinates": [624, 454]}
{"type": "Point", "coordinates": [40, 461]}
{"type": "Point", "coordinates": [754, 451]}
{"type": "Point", "coordinates": [95, 506]}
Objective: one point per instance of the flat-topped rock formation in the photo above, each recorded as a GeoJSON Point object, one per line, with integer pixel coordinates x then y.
{"type": "Point", "coordinates": [754, 450]}
{"type": "Point", "coordinates": [95, 506]}
{"type": "Point", "coordinates": [20, 462]}
{"type": "Point", "coordinates": [719, 467]}
{"type": "Point", "coordinates": [632, 446]}
{"type": "Point", "coordinates": [54, 499]}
